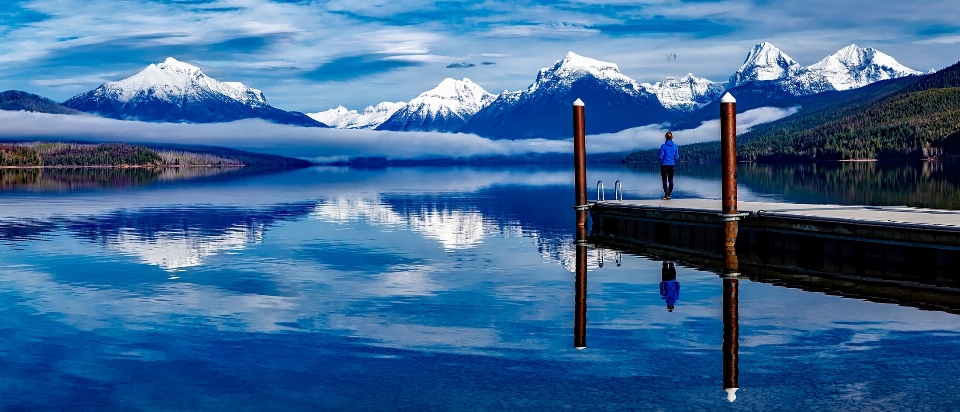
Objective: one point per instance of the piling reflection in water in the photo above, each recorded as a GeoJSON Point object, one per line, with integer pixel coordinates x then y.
{"type": "Point", "coordinates": [731, 326]}
{"type": "Point", "coordinates": [580, 308]}
{"type": "Point", "coordinates": [731, 336]}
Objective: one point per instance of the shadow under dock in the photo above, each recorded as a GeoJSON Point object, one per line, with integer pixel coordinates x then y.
{"type": "Point", "coordinates": [908, 246]}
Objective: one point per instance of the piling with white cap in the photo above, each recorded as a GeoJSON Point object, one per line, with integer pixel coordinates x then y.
{"type": "Point", "coordinates": [581, 206]}
{"type": "Point", "coordinates": [580, 163]}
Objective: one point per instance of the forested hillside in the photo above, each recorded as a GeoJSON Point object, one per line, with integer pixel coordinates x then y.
{"type": "Point", "coordinates": [18, 100]}
{"type": "Point", "coordinates": [39, 154]}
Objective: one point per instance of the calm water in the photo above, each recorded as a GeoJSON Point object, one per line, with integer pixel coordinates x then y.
{"type": "Point", "coordinates": [427, 289]}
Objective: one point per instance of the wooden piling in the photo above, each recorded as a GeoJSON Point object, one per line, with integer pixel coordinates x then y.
{"type": "Point", "coordinates": [580, 163]}
{"type": "Point", "coordinates": [728, 152]}
{"type": "Point", "coordinates": [728, 207]}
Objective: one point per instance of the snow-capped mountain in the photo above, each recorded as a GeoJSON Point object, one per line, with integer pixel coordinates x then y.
{"type": "Point", "coordinates": [765, 63]}
{"type": "Point", "coordinates": [174, 91]}
{"type": "Point", "coordinates": [853, 66]}
{"type": "Point", "coordinates": [615, 101]}
{"type": "Point", "coordinates": [848, 68]}
{"type": "Point", "coordinates": [687, 93]}
{"type": "Point", "coordinates": [444, 108]}
{"type": "Point", "coordinates": [370, 118]}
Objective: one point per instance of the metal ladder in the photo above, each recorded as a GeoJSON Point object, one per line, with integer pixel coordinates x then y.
{"type": "Point", "coordinates": [617, 191]}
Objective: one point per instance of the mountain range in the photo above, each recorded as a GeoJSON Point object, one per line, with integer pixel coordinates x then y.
{"type": "Point", "coordinates": [767, 77]}
{"type": "Point", "coordinates": [173, 91]}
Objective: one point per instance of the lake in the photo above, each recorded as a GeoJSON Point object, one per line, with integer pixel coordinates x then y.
{"type": "Point", "coordinates": [428, 289]}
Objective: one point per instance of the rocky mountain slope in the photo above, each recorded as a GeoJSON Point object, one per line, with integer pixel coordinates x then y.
{"type": "Point", "coordinates": [371, 117]}
{"type": "Point", "coordinates": [445, 108]}
{"type": "Point", "coordinates": [543, 110]}
{"type": "Point", "coordinates": [173, 91]}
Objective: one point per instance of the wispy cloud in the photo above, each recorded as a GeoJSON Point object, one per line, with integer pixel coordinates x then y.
{"type": "Point", "coordinates": [331, 144]}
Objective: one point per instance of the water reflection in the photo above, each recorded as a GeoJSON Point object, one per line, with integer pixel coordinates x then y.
{"type": "Point", "coordinates": [580, 295]}
{"type": "Point", "coordinates": [169, 238]}
{"type": "Point", "coordinates": [454, 229]}
{"type": "Point", "coordinates": [299, 296]}
{"type": "Point", "coordinates": [669, 287]}
{"type": "Point", "coordinates": [731, 336]}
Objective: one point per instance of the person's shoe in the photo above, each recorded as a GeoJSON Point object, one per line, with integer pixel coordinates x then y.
{"type": "Point", "coordinates": [668, 197]}
{"type": "Point", "coordinates": [665, 197]}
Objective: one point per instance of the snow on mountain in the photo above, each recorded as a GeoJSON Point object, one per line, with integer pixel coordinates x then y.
{"type": "Point", "coordinates": [174, 81]}
{"type": "Point", "coordinates": [444, 108]}
{"type": "Point", "coordinates": [370, 118]}
{"type": "Point", "coordinates": [573, 67]}
{"type": "Point", "coordinates": [853, 66]}
{"type": "Point", "coordinates": [848, 68]}
{"type": "Point", "coordinates": [765, 63]}
{"type": "Point", "coordinates": [615, 101]}
{"type": "Point", "coordinates": [176, 91]}
{"type": "Point", "coordinates": [686, 94]}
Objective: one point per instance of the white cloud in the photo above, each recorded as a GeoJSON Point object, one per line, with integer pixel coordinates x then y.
{"type": "Point", "coordinates": [326, 144]}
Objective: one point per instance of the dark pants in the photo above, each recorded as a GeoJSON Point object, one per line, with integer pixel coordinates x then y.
{"type": "Point", "coordinates": [666, 173]}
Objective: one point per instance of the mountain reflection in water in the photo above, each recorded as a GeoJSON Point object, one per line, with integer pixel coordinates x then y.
{"type": "Point", "coordinates": [417, 289]}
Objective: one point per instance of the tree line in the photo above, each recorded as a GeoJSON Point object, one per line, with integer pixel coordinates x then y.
{"type": "Point", "coordinates": [77, 155]}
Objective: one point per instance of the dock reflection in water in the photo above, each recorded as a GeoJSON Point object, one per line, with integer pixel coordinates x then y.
{"type": "Point", "coordinates": [730, 316]}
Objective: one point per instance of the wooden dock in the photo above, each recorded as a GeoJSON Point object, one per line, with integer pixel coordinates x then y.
{"type": "Point", "coordinates": [879, 242]}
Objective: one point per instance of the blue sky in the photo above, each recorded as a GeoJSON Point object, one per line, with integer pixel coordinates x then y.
{"type": "Point", "coordinates": [313, 55]}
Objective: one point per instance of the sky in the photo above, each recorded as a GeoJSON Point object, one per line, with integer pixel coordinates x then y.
{"type": "Point", "coordinates": [310, 56]}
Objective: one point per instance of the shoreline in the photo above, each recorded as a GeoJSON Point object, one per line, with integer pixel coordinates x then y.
{"type": "Point", "coordinates": [120, 166]}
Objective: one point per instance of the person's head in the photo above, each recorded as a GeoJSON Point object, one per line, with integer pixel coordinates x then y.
{"type": "Point", "coordinates": [668, 136]}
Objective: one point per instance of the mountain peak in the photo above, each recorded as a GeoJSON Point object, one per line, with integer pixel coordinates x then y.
{"type": "Point", "coordinates": [576, 61]}
{"type": "Point", "coordinates": [574, 67]}
{"type": "Point", "coordinates": [176, 91]}
{"type": "Point", "coordinates": [171, 64]}
{"type": "Point", "coordinates": [854, 66]}
{"type": "Point", "coordinates": [452, 88]}
{"type": "Point", "coordinates": [371, 117]}
{"type": "Point", "coordinates": [765, 62]}
{"type": "Point", "coordinates": [686, 93]}
{"type": "Point", "coordinates": [444, 108]}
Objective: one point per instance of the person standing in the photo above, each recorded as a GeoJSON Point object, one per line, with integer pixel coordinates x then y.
{"type": "Point", "coordinates": [669, 155]}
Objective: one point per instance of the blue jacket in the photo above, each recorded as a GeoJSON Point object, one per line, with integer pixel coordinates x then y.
{"type": "Point", "coordinates": [669, 153]}
{"type": "Point", "coordinates": [670, 291]}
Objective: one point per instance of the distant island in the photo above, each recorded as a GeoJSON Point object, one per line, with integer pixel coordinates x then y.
{"type": "Point", "coordinates": [122, 155]}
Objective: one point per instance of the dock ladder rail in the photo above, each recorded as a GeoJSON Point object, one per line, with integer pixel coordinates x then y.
{"type": "Point", "coordinates": [601, 195]}
{"type": "Point", "coordinates": [617, 191]}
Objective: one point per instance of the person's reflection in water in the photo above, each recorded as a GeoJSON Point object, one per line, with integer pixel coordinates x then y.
{"type": "Point", "coordinates": [669, 287]}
